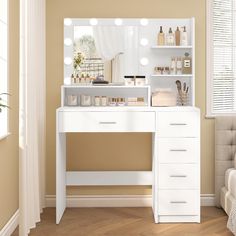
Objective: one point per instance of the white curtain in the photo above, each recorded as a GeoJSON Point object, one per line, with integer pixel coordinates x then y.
{"type": "Point", "coordinates": [32, 113]}
{"type": "Point", "coordinates": [109, 42]}
{"type": "Point", "coordinates": [120, 45]}
{"type": "Point", "coordinates": [131, 55]}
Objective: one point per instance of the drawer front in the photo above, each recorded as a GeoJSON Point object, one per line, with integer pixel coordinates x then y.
{"type": "Point", "coordinates": [179, 202]}
{"type": "Point", "coordinates": [178, 176]}
{"type": "Point", "coordinates": [106, 121]}
{"type": "Point", "coordinates": [178, 150]}
{"type": "Point", "coordinates": [178, 124]}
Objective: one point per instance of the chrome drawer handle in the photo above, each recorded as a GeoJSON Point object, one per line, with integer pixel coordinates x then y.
{"type": "Point", "coordinates": [178, 150]}
{"type": "Point", "coordinates": [178, 176]}
{"type": "Point", "coordinates": [178, 124]}
{"type": "Point", "coordinates": [178, 202]}
{"type": "Point", "coordinates": [107, 122]}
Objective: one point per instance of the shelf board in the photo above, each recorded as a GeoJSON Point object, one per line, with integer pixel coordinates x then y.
{"type": "Point", "coordinates": [104, 86]}
{"type": "Point", "coordinates": [172, 75]}
{"type": "Point", "coordinates": [171, 47]}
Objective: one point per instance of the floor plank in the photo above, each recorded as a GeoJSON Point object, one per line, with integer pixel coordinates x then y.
{"type": "Point", "coordinates": [126, 222]}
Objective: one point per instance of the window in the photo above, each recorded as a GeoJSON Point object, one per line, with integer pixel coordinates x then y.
{"type": "Point", "coordinates": [221, 57]}
{"type": "Point", "coordinates": [3, 64]}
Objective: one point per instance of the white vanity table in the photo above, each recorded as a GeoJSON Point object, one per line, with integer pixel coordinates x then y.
{"type": "Point", "coordinates": [175, 174]}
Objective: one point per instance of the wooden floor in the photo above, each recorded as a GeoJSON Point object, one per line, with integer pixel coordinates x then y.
{"type": "Point", "coordinates": [126, 222]}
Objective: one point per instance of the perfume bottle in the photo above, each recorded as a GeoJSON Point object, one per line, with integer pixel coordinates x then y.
{"type": "Point", "coordinates": [187, 64]}
{"type": "Point", "coordinates": [184, 37]}
{"type": "Point", "coordinates": [161, 37]}
{"type": "Point", "coordinates": [170, 38]}
{"type": "Point", "coordinates": [177, 37]}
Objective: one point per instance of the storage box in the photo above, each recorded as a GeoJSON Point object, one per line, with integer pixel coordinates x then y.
{"type": "Point", "coordinates": [140, 80]}
{"type": "Point", "coordinates": [129, 80]}
{"type": "Point", "coordinates": [163, 99]}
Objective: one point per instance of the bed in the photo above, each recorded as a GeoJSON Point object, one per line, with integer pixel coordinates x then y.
{"type": "Point", "coordinates": [225, 164]}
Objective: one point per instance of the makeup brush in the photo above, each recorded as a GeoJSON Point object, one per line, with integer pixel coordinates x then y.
{"type": "Point", "coordinates": [179, 88]}
{"type": "Point", "coordinates": [187, 90]}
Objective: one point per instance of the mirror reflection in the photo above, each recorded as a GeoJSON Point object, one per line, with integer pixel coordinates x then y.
{"type": "Point", "coordinates": [108, 52]}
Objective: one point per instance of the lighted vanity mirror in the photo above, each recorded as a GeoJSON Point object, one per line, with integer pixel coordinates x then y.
{"type": "Point", "coordinates": [105, 48]}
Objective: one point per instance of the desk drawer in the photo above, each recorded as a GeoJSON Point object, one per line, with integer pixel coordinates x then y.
{"type": "Point", "coordinates": [179, 202]}
{"type": "Point", "coordinates": [178, 124]}
{"type": "Point", "coordinates": [178, 150]}
{"type": "Point", "coordinates": [106, 121]}
{"type": "Point", "coordinates": [178, 176]}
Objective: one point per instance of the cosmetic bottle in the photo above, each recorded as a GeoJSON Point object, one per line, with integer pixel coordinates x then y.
{"type": "Point", "coordinates": [120, 102]}
{"type": "Point", "coordinates": [161, 37]}
{"type": "Point", "coordinates": [112, 102]}
{"type": "Point", "coordinates": [73, 79]}
{"type": "Point", "coordinates": [173, 66]}
{"type": "Point", "coordinates": [177, 37]}
{"type": "Point", "coordinates": [179, 66]}
{"type": "Point", "coordinates": [104, 101]}
{"type": "Point", "coordinates": [184, 37]}
{"type": "Point", "coordinates": [187, 64]}
{"type": "Point", "coordinates": [97, 101]}
{"type": "Point", "coordinates": [170, 39]}
{"type": "Point", "coordinates": [77, 79]}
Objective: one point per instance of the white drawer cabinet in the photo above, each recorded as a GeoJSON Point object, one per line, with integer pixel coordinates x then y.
{"type": "Point", "coordinates": [178, 176]}
{"type": "Point", "coordinates": [179, 202]}
{"type": "Point", "coordinates": [107, 121]}
{"type": "Point", "coordinates": [178, 166]}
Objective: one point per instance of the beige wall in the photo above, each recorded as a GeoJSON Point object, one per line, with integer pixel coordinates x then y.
{"type": "Point", "coordinates": [119, 151]}
{"type": "Point", "coordinates": [9, 146]}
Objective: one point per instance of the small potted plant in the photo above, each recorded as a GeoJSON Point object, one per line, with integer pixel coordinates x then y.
{"type": "Point", "coordinates": [3, 102]}
{"type": "Point", "coordinates": [78, 61]}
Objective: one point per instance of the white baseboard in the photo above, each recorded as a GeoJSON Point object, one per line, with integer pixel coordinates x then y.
{"type": "Point", "coordinates": [11, 225]}
{"type": "Point", "coordinates": [115, 200]}
{"type": "Point", "coordinates": [207, 199]}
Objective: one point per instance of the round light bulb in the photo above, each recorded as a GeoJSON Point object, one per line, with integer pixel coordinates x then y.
{"type": "Point", "coordinates": [67, 61]}
{"type": "Point", "coordinates": [67, 41]}
{"type": "Point", "coordinates": [67, 81]}
{"type": "Point", "coordinates": [144, 41]}
{"type": "Point", "coordinates": [93, 21]}
{"type": "Point", "coordinates": [144, 22]}
{"type": "Point", "coordinates": [118, 21]}
{"type": "Point", "coordinates": [144, 61]}
{"type": "Point", "coordinates": [67, 21]}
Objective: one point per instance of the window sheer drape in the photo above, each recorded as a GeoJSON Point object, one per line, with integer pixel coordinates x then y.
{"type": "Point", "coordinates": [32, 113]}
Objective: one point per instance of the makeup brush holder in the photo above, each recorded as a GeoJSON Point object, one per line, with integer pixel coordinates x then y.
{"type": "Point", "coordinates": [182, 99]}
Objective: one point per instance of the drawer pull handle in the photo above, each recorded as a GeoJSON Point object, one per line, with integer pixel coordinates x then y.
{"type": "Point", "coordinates": [178, 202]}
{"type": "Point", "coordinates": [178, 176]}
{"type": "Point", "coordinates": [178, 150]}
{"type": "Point", "coordinates": [107, 122]}
{"type": "Point", "coordinates": [178, 124]}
